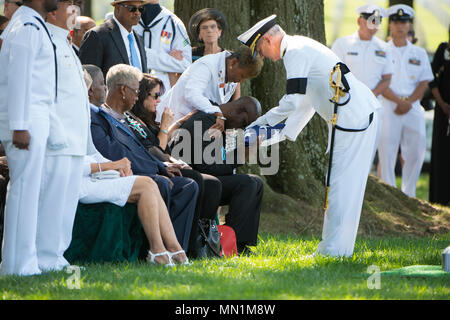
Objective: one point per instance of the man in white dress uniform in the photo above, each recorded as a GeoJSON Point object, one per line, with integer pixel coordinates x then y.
{"type": "Point", "coordinates": [404, 120]}
{"type": "Point", "coordinates": [309, 65]}
{"type": "Point", "coordinates": [167, 44]}
{"type": "Point", "coordinates": [67, 146]}
{"type": "Point", "coordinates": [367, 56]}
{"type": "Point", "coordinates": [27, 92]}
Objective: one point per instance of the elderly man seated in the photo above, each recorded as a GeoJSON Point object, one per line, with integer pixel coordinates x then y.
{"type": "Point", "coordinates": [241, 192]}
{"type": "Point", "coordinates": [114, 139]}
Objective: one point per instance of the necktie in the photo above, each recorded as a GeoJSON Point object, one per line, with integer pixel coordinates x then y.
{"type": "Point", "coordinates": [134, 55]}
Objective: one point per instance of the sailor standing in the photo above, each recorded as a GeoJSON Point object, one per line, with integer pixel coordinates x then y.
{"type": "Point", "coordinates": [166, 41]}
{"type": "Point", "coordinates": [27, 92]}
{"type": "Point", "coordinates": [404, 120]}
{"type": "Point", "coordinates": [352, 117]}
{"type": "Point", "coordinates": [67, 145]}
{"type": "Point", "coordinates": [367, 56]}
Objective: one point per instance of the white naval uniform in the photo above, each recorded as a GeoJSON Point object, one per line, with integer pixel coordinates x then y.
{"type": "Point", "coordinates": [368, 60]}
{"type": "Point", "coordinates": [308, 60]}
{"type": "Point", "coordinates": [201, 83]}
{"type": "Point", "coordinates": [407, 131]}
{"type": "Point", "coordinates": [27, 92]}
{"type": "Point", "coordinates": [167, 33]}
{"type": "Point", "coordinates": [63, 166]}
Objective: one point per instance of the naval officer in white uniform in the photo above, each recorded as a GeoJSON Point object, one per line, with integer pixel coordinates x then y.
{"type": "Point", "coordinates": [308, 66]}
{"type": "Point", "coordinates": [68, 144]}
{"type": "Point", "coordinates": [404, 120]}
{"type": "Point", "coordinates": [167, 44]}
{"type": "Point", "coordinates": [27, 92]}
{"type": "Point", "coordinates": [209, 82]}
{"type": "Point", "coordinates": [367, 56]}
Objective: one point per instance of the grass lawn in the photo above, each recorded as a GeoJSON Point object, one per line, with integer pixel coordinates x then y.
{"type": "Point", "coordinates": [278, 268]}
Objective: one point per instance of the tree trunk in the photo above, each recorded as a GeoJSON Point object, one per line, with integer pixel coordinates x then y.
{"type": "Point", "coordinates": [303, 163]}
{"type": "Point", "coordinates": [407, 2]}
{"type": "Point", "coordinates": [87, 8]}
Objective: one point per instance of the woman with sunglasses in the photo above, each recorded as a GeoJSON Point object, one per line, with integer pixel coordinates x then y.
{"type": "Point", "coordinates": [155, 136]}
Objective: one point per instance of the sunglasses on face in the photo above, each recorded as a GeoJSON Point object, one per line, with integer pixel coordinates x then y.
{"type": "Point", "coordinates": [133, 8]}
{"type": "Point", "coordinates": [155, 95]}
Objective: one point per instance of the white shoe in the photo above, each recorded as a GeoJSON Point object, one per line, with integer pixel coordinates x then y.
{"type": "Point", "coordinates": [186, 262]}
{"type": "Point", "coordinates": [151, 260]}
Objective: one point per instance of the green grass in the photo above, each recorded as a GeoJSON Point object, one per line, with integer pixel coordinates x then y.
{"type": "Point", "coordinates": [278, 268]}
{"type": "Point", "coordinates": [423, 185]}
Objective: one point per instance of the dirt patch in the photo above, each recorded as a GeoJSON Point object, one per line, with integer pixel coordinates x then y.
{"type": "Point", "coordinates": [386, 212]}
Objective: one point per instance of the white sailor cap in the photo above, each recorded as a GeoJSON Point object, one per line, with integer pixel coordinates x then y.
{"type": "Point", "coordinates": [400, 12]}
{"type": "Point", "coordinates": [368, 10]}
{"type": "Point", "coordinates": [250, 37]}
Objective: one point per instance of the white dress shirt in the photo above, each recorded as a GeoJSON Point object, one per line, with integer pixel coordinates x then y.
{"type": "Point", "coordinates": [27, 79]}
{"type": "Point", "coordinates": [368, 60]}
{"type": "Point", "coordinates": [72, 107]}
{"type": "Point", "coordinates": [164, 39]}
{"type": "Point", "coordinates": [202, 83]}
{"type": "Point", "coordinates": [126, 41]}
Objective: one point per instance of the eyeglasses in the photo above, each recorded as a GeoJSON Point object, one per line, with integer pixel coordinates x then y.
{"type": "Point", "coordinates": [136, 91]}
{"type": "Point", "coordinates": [133, 8]}
{"type": "Point", "coordinates": [155, 95]}
{"type": "Point", "coordinates": [17, 3]}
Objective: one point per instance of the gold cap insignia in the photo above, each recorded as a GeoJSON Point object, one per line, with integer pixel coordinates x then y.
{"type": "Point", "coordinates": [400, 12]}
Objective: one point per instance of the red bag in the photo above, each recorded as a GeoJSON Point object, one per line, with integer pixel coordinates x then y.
{"type": "Point", "coordinates": [227, 241]}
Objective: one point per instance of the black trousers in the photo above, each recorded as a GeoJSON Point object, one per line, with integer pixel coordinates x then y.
{"type": "Point", "coordinates": [208, 200]}
{"type": "Point", "coordinates": [243, 194]}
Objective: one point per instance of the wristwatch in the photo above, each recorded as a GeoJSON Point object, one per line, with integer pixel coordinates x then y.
{"type": "Point", "coordinates": [222, 118]}
{"type": "Point", "coordinates": [164, 131]}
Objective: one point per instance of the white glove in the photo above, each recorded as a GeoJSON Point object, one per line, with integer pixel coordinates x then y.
{"type": "Point", "coordinates": [261, 121]}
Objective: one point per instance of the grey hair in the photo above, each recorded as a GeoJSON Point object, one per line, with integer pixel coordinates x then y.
{"type": "Point", "coordinates": [122, 74]}
{"type": "Point", "coordinates": [276, 30]}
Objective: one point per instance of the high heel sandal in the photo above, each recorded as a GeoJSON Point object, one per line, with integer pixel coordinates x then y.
{"type": "Point", "coordinates": [151, 260]}
{"type": "Point", "coordinates": [185, 263]}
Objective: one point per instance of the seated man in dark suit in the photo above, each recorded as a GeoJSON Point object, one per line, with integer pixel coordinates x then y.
{"type": "Point", "coordinates": [114, 139]}
{"type": "Point", "coordinates": [242, 192]}
{"type": "Point", "coordinates": [114, 41]}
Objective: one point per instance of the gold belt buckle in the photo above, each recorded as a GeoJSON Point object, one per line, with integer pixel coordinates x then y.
{"type": "Point", "coordinates": [404, 98]}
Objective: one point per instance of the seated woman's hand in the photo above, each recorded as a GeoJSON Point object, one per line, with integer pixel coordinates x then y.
{"type": "Point", "coordinates": [167, 118]}
{"type": "Point", "coordinates": [123, 166]}
{"type": "Point", "coordinates": [216, 130]}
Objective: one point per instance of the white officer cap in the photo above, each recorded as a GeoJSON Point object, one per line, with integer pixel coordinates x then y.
{"type": "Point", "coordinates": [400, 12]}
{"type": "Point", "coordinates": [250, 37]}
{"type": "Point", "coordinates": [369, 10]}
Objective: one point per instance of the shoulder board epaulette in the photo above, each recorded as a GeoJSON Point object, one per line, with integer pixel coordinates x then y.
{"type": "Point", "coordinates": [31, 24]}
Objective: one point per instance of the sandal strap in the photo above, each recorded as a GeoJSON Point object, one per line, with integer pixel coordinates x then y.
{"type": "Point", "coordinates": [154, 255]}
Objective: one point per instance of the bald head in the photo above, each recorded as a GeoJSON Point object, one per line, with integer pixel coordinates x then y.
{"type": "Point", "coordinates": [82, 25]}
{"type": "Point", "coordinates": [240, 113]}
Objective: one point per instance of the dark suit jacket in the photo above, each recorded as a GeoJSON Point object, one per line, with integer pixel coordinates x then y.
{"type": "Point", "coordinates": [218, 168]}
{"type": "Point", "coordinates": [103, 46]}
{"type": "Point", "coordinates": [114, 142]}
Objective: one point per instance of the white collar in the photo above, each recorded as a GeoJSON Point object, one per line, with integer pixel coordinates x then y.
{"type": "Point", "coordinates": [283, 46]}
{"type": "Point", "coordinates": [122, 29]}
{"type": "Point", "coordinates": [58, 32]}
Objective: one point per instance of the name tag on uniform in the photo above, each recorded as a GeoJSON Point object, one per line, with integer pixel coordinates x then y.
{"type": "Point", "coordinates": [414, 62]}
{"type": "Point", "coordinates": [380, 53]}
{"type": "Point", "coordinates": [352, 53]}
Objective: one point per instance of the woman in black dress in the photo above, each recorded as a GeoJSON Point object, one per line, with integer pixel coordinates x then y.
{"type": "Point", "coordinates": [440, 150]}
{"type": "Point", "coordinates": [155, 137]}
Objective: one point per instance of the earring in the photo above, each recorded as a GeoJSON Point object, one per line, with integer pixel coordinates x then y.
{"type": "Point", "coordinates": [123, 97]}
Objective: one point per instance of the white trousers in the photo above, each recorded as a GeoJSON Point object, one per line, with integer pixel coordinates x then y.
{"type": "Point", "coordinates": [352, 157]}
{"type": "Point", "coordinates": [19, 254]}
{"type": "Point", "coordinates": [60, 188]}
{"type": "Point", "coordinates": [407, 132]}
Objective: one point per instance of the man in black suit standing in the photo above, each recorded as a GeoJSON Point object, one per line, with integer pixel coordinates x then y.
{"type": "Point", "coordinates": [114, 41]}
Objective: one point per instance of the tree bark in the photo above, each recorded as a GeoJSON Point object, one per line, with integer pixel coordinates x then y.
{"type": "Point", "coordinates": [87, 8]}
{"type": "Point", "coordinates": [407, 2]}
{"type": "Point", "coordinates": [302, 163]}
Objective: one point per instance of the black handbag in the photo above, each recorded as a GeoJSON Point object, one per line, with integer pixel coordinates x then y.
{"type": "Point", "coordinates": [207, 241]}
